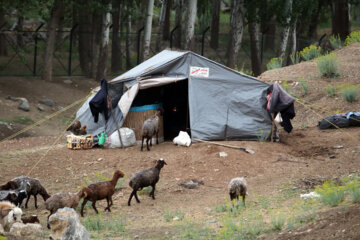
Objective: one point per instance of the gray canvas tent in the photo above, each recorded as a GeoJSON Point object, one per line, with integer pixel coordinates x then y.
{"type": "Point", "coordinates": [212, 102]}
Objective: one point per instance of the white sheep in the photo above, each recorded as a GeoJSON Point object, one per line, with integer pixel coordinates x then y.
{"type": "Point", "coordinates": [238, 186]}
{"type": "Point", "coordinates": [9, 214]}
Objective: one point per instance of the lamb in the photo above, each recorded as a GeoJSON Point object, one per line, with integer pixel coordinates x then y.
{"type": "Point", "coordinates": [31, 219]}
{"type": "Point", "coordinates": [15, 196]}
{"type": "Point", "coordinates": [61, 200]}
{"type": "Point", "coordinates": [9, 214]}
{"type": "Point", "coordinates": [35, 189]}
{"type": "Point", "coordinates": [101, 190]}
{"type": "Point", "coordinates": [238, 186]}
{"type": "Point", "coordinates": [151, 128]}
{"type": "Point", "coordinates": [144, 178]}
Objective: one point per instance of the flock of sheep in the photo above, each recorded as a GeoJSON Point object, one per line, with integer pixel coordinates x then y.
{"type": "Point", "coordinates": [16, 190]}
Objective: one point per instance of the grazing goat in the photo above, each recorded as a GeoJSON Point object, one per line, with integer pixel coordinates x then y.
{"type": "Point", "coordinates": [15, 196]}
{"type": "Point", "coordinates": [35, 189]}
{"type": "Point", "coordinates": [9, 214]}
{"type": "Point", "coordinates": [144, 178]}
{"type": "Point", "coordinates": [61, 200]}
{"type": "Point", "coordinates": [101, 190]}
{"type": "Point", "coordinates": [238, 186]}
{"type": "Point", "coordinates": [151, 128]}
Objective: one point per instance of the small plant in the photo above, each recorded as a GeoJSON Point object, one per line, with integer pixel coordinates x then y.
{"type": "Point", "coordinates": [330, 194]}
{"type": "Point", "coordinates": [265, 202]}
{"type": "Point", "coordinates": [295, 58]}
{"type": "Point", "coordinates": [145, 190]}
{"type": "Point", "coordinates": [350, 93]}
{"type": "Point", "coordinates": [235, 208]}
{"type": "Point", "coordinates": [353, 187]}
{"type": "Point", "coordinates": [353, 37]}
{"type": "Point", "coordinates": [94, 223]}
{"type": "Point", "coordinates": [330, 90]}
{"type": "Point", "coordinates": [278, 221]}
{"type": "Point", "coordinates": [335, 41]}
{"type": "Point", "coordinates": [310, 52]}
{"type": "Point", "coordinates": [170, 215]}
{"type": "Point", "coordinates": [274, 63]}
{"type": "Point", "coordinates": [328, 65]}
{"type": "Point", "coordinates": [262, 135]}
{"type": "Point", "coordinates": [304, 87]}
{"type": "Point", "coordinates": [285, 86]}
{"type": "Point", "coordinates": [244, 71]}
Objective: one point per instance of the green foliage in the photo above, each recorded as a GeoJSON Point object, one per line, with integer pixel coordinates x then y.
{"type": "Point", "coordinates": [277, 221]}
{"type": "Point", "coordinates": [274, 63]}
{"type": "Point", "coordinates": [330, 90]}
{"type": "Point", "coordinates": [295, 59]}
{"type": "Point", "coordinates": [328, 65]}
{"type": "Point", "coordinates": [353, 188]}
{"type": "Point", "coordinates": [304, 87]}
{"type": "Point", "coordinates": [231, 209]}
{"type": "Point", "coordinates": [285, 86]}
{"type": "Point", "coordinates": [189, 230]}
{"type": "Point", "coordinates": [353, 37]}
{"type": "Point", "coordinates": [330, 194]}
{"type": "Point", "coordinates": [244, 71]}
{"type": "Point", "coordinates": [21, 120]}
{"type": "Point", "coordinates": [145, 190]}
{"type": "Point", "coordinates": [335, 41]}
{"type": "Point", "coordinates": [310, 52]}
{"type": "Point", "coordinates": [350, 93]}
{"type": "Point", "coordinates": [96, 223]}
{"type": "Point", "coordinates": [262, 135]}
{"type": "Point", "coordinates": [170, 215]}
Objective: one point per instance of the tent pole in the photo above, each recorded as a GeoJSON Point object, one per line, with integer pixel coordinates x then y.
{"type": "Point", "coordinates": [272, 127]}
{"type": "Point", "coordinates": [112, 114]}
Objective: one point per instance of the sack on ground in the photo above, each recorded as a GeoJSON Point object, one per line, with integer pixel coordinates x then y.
{"type": "Point", "coordinates": [127, 137]}
{"type": "Point", "coordinates": [183, 139]}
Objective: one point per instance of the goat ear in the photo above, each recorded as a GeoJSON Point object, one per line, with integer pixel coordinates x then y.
{"type": "Point", "coordinates": [5, 212]}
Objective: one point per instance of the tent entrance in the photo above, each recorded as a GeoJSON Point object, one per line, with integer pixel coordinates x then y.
{"type": "Point", "coordinates": [174, 99]}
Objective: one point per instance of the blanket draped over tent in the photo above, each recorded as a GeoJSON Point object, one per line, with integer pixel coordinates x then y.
{"type": "Point", "coordinates": [212, 102]}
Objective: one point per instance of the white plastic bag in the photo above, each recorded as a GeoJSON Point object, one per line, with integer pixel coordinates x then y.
{"type": "Point", "coordinates": [183, 139]}
{"type": "Point", "coordinates": [127, 137]}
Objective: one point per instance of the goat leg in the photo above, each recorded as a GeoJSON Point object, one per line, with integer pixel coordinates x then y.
{"type": "Point", "coordinates": [94, 207]}
{"type": "Point", "coordinates": [142, 143]}
{"type": "Point", "coordinates": [131, 195]}
{"type": "Point", "coordinates": [147, 144]}
{"type": "Point", "coordinates": [82, 207]}
{"type": "Point", "coordinates": [108, 204]}
{"type": "Point", "coordinates": [157, 137]}
{"type": "Point", "coordinates": [27, 200]}
{"type": "Point", "coordinates": [243, 198]}
{"type": "Point", "coordinates": [136, 197]}
{"type": "Point", "coordinates": [152, 193]}
{"type": "Point", "coordinates": [35, 199]}
{"type": "Point", "coordinates": [48, 225]}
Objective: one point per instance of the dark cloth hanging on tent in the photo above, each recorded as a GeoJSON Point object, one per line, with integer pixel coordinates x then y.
{"type": "Point", "coordinates": [98, 103]}
{"type": "Point", "coordinates": [280, 101]}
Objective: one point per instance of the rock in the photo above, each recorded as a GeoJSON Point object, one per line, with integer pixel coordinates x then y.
{"type": "Point", "coordinates": [338, 147]}
{"type": "Point", "coordinates": [212, 221]}
{"type": "Point", "coordinates": [24, 105]}
{"type": "Point", "coordinates": [47, 102]}
{"type": "Point", "coordinates": [176, 218]}
{"type": "Point", "coordinates": [223, 154]}
{"type": "Point", "coordinates": [65, 225]}
{"type": "Point", "coordinates": [28, 231]}
{"type": "Point", "coordinates": [40, 108]}
{"type": "Point", "coordinates": [12, 98]}
{"type": "Point", "coordinates": [67, 81]}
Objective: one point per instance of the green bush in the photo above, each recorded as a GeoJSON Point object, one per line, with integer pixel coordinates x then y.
{"type": "Point", "coordinates": [295, 59]}
{"type": "Point", "coordinates": [353, 37]}
{"type": "Point", "coordinates": [274, 63]}
{"type": "Point", "coordinates": [335, 41]}
{"type": "Point", "coordinates": [278, 221]}
{"type": "Point", "coordinates": [350, 93]}
{"type": "Point", "coordinates": [330, 90]}
{"type": "Point", "coordinates": [330, 194]}
{"type": "Point", "coordinates": [304, 87]}
{"type": "Point", "coordinates": [353, 188]}
{"type": "Point", "coordinates": [310, 52]}
{"type": "Point", "coordinates": [328, 65]}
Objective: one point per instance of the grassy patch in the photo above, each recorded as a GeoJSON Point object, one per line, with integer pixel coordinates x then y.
{"type": "Point", "coordinates": [350, 93]}
{"type": "Point", "coordinates": [310, 52]}
{"type": "Point", "coordinates": [98, 224]}
{"type": "Point", "coordinates": [353, 189]}
{"type": "Point", "coordinates": [170, 215]}
{"type": "Point", "coordinates": [20, 119]}
{"type": "Point", "coordinates": [330, 90]}
{"type": "Point", "coordinates": [335, 41]}
{"type": "Point", "coordinates": [330, 194]}
{"type": "Point", "coordinates": [295, 58]}
{"type": "Point", "coordinates": [353, 37]}
{"type": "Point", "coordinates": [274, 63]}
{"type": "Point", "coordinates": [277, 221]}
{"type": "Point", "coordinates": [328, 65]}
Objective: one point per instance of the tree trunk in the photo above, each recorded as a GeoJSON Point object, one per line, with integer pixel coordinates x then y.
{"type": "Point", "coordinates": [314, 21]}
{"type": "Point", "coordinates": [236, 31]}
{"type": "Point", "coordinates": [341, 18]}
{"type": "Point", "coordinates": [147, 33]}
{"type": "Point", "coordinates": [19, 30]}
{"type": "Point", "coordinates": [178, 23]}
{"type": "Point", "coordinates": [116, 55]}
{"type": "Point", "coordinates": [293, 39]}
{"type": "Point", "coordinates": [286, 31]}
{"type": "Point", "coordinates": [161, 26]}
{"type": "Point", "coordinates": [50, 41]}
{"type": "Point", "coordinates": [84, 33]}
{"type": "Point", "coordinates": [214, 42]}
{"type": "Point", "coordinates": [166, 30]}
{"type": "Point", "coordinates": [3, 48]}
{"type": "Point", "coordinates": [253, 29]}
{"type": "Point", "coordinates": [191, 10]}
{"type": "Point", "coordinates": [59, 33]}
{"type": "Point", "coordinates": [128, 40]}
{"type": "Point", "coordinates": [102, 63]}
{"type": "Point", "coordinates": [96, 27]}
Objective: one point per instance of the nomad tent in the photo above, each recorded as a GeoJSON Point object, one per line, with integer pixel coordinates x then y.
{"type": "Point", "coordinates": [198, 95]}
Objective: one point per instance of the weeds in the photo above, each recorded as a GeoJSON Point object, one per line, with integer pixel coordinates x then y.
{"type": "Point", "coordinates": [278, 221]}
{"type": "Point", "coordinates": [330, 194]}
{"type": "Point", "coordinates": [350, 93]}
{"type": "Point", "coordinates": [21, 120]}
{"type": "Point", "coordinates": [335, 41]}
{"type": "Point", "coordinates": [304, 87]}
{"type": "Point", "coordinates": [145, 190]}
{"type": "Point", "coordinates": [295, 58]}
{"type": "Point", "coordinates": [274, 63]}
{"type": "Point", "coordinates": [310, 52]}
{"type": "Point", "coordinates": [96, 223]}
{"type": "Point", "coordinates": [330, 90]}
{"type": "Point", "coordinates": [190, 230]}
{"type": "Point", "coordinates": [353, 188]}
{"type": "Point", "coordinates": [328, 65]}
{"type": "Point", "coordinates": [170, 215]}
{"type": "Point", "coordinates": [262, 135]}
{"type": "Point", "coordinates": [353, 37]}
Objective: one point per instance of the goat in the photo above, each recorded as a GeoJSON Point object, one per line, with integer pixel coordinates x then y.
{"type": "Point", "coordinates": [9, 214]}
{"type": "Point", "coordinates": [151, 128]}
{"type": "Point", "coordinates": [238, 186]}
{"type": "Point", "coordinates": [101, 190]}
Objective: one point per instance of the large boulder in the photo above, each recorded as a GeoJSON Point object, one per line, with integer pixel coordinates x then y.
{"type": "Point", "coordinates": [65, 225]}
{"type": "Point", "coordinates": [24, 105]}
{"type": "Point", "coordinates": [22, 231]}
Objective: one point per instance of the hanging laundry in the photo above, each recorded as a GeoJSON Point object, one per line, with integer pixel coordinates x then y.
{"type": "Point", "coordinates": [99, 102]}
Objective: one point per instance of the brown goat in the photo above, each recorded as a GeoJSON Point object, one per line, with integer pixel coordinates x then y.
{"type": "Point", "coordinates": [31, 219]}
{"type": "Point", "coordinates": [101, 190]}
{"type": "Point", "coordinates": [9, 185]}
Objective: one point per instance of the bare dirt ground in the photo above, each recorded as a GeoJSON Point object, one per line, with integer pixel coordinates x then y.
{"type": "Point", "coordinates": [305, 152]}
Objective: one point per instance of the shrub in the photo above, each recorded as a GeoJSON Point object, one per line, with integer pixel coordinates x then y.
{"type": "Point", "coordinates": [353, 37]}
{"type": "Point", "coordinates": [330, 194]}
{"type": "Point", "coordinates": [330, 90]}
{"type": "Point", "coordinates": [304, 87]}
{"type": "Point", "coordinates": [278, 221]}
{"type": "Point", "coordinates": [353, 188]}
{"type": "Point", "coordinates": [295, 59]}
{"type": "Point", "coordinates": [169, 215]}
{"type": "Point", "coordinates": [350, 93]}
{"type": "Point", "coordinates": [274, 63]}
{"type": "Point", "coordinates": [310, 52]}
{"type": "Point", "coordinates": [335, 41]}
{"type": "Point", "coordinates": [328, 65]}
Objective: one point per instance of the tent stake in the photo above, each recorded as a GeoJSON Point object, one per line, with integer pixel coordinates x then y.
{"type": "Point", "coordinates": [225, 145]}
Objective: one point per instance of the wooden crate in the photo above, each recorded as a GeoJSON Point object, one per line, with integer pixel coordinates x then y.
{"type": "Point", "coordinates": [135, 121]}
{"type": "Point", "coordinates": [79, 142]}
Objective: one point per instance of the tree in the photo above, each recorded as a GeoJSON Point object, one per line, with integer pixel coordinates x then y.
{"type": "Point", "coordinates": [340, 11]}
{"type": "Point", "coordinates": [127, 40]}
{"type": "Point", "coordinates": [50, 42]}
{"type": "Point", "coordinates": [166, 30]}
{"type": "Point", "coordinates": [105, 29]}
{"type": "Point", "coordinates": [214, 42]}
{"type": "Point", "coordinates": [190, 23]}
{"type": "Point", "coordinates": [178, 23]}
{"type": "Point", "coordinates": [161, 25]}
{"type": "Point", "coordinates": [84, 18]}
{"type": "Point", "coordinates": [148, 26]}
{"type": "Point", "coordinates": [236, 31]}
{"type": "Point", "coordinates": [286, 29]}
{"type": "Point", "coordinates": [3, 48]}
{"type": "Point", "coordinates": [116, 59]}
